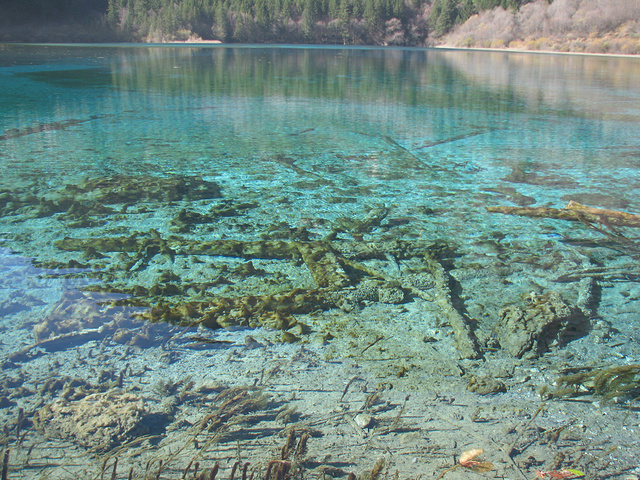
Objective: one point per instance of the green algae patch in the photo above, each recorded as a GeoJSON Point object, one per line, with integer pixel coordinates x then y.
{"type": "Point", "coordinates": [271, 311]}
{"type": "Point", "coordinates": [614, 384]}
{"type": "Point", "coordinates": [128, 189]}
{"type": "Point", "coordinates": [264, 280]}
{"type": "Point", "coordinates": [92, 197]}
{"type": "Point", "coordinates": [339, 274]}
{"type": "Point", "coordinates": [167, 274]}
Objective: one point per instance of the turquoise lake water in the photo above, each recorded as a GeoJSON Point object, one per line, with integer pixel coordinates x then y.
{"type": "Point", "coordinates": [270, 188]}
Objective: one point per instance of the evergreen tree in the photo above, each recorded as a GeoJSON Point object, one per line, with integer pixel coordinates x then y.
{"type": "Point", "coordinates": [486, 4]}
{"type": "Point", "coordinates": [443, 16]}
{"type": "Point", "coordinates": [397, 8]}
{"type": "Point", "coordinates": [261, 14]}
{"type": "Point", "coordinates": [371, 15]}
{"type": "Point", "coordinates": [221, 28]}
{"type": "Point", "coordinates": [466, 8]}
{"type": "Point", "coordinates": [308, 17]}
{"type": "Point", "coordinates": [286, 9]}
{"type": "Point", "coordinates": [333, 8]}
{"type": "Point", "coordinates": [343, 21]}
{"type": "Point", "coordinates": [357, 8]}
{"type": "Point", "coordinates": [113, 15]}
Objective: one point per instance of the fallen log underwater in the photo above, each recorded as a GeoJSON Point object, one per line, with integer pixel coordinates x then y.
{"type": "Point", "coordinates": [605, 221]}
{"type": "Point", "coordinates": [575, 211]}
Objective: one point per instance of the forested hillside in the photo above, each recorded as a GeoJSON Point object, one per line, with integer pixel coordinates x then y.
{"type": "Point", "coordinates": [371, 22]}
{"type": "Point", "coordinates": [608, 26]}
{"type": "Point", "coordinates": [376, 22]}
{"type": "Point", "coordinates": [396, 22]}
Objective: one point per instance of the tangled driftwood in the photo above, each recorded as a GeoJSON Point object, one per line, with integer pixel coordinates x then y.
{"type": "Point", "coordinates": [607, 222]}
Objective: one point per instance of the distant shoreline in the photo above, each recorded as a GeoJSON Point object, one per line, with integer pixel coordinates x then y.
{"type": "Point", "coordinates": [437, 47]}
{"type": "Point", "coordinates": [301, 45]}
{"type": "Point", "coordinates": [548, 52]}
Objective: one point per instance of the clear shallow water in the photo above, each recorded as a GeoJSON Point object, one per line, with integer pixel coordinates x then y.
{"type": "Point", "coordinates": [103, 142]}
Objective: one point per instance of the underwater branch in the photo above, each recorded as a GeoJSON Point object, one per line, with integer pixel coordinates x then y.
{"type": "Point", "coordinates": [576, 212]}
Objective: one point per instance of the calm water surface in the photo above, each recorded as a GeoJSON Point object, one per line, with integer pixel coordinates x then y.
{"type": "Point", "coordinates": [365, 154]}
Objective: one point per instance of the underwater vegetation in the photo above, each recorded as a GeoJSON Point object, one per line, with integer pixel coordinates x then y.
{"type": "Point", "coordinates": [111, 422]}
{"type": "Point", "coordinates": [174, 272]}
{"type": "Point", "coordinates": [336, 267]}
{"type": "Point", "coordinates": [295, 457]}
{"type": "Point", "coordinates": [340, 271]}
{"type": "Point", "coordinates": [619, 384]}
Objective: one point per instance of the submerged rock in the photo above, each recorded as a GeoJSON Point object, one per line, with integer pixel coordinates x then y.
{"type": "Point", "coordinates": [79, 312]}
{"type": "Point", "coordinates": [486, 385]}
{"type": "Point", "coordinates": [528, 331]}
{"type": "Point", "coordinates": [100, 421]}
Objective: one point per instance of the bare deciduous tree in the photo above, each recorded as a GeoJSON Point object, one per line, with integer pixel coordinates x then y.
{"type": "Point", "coordinates": [566, 24]}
